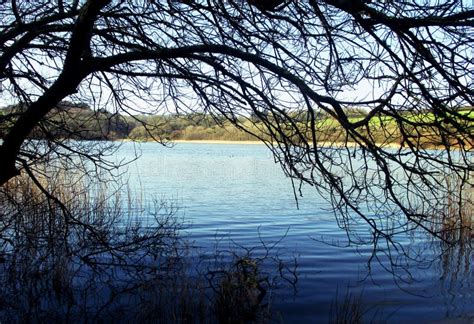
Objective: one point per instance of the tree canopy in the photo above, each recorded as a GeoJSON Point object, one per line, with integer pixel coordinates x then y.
{"type": "Point", "coordinates": [278, 64]}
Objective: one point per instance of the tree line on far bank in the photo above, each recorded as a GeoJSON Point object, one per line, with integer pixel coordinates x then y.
{"type": "Point", "coordinates": [78, 121]}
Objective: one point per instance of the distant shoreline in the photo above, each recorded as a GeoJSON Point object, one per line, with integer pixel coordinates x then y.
{"type": "Point", "coordinates": [192, 141]}
{"type": "Point", "coordinates": [320, 144]}
{"type": "Point", "coordinates": [217, 142]}
{"type": "Point", "coordinates": [233, 142]}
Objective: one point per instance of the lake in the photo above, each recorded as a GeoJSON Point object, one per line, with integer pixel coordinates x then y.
{"type": "Point", "coordinates": [236, 194]}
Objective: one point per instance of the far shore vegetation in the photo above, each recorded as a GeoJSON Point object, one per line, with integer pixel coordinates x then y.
{"type": "Point", "coordinates": [79, 121]}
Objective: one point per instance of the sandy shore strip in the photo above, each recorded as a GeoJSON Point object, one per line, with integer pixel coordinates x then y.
{"type": "Point", "coordinates": [320, 144]}
{"type": "Point", "coordinates": [336, 145]}
{"type": "Point", "coordinates": [217, 142]}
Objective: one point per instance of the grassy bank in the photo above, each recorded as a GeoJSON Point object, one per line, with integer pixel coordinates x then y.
{"type": "Point", "coordinates": [416, 129]}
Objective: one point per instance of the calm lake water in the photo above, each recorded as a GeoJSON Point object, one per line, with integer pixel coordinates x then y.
{"type": "Point", "coordinates": [236, 193]}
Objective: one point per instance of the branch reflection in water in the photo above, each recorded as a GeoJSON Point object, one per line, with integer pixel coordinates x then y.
{"type": "Point", "coordinates": [87, 252]}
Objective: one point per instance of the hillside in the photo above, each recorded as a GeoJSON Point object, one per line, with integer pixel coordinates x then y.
{"type": "Point", "coordinates": [79, 121]}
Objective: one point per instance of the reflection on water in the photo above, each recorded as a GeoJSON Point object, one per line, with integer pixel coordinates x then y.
{"type": "Point", "coordinates": [103, 256]}
{"type": "Point", "coordinates": [231, 190]}
{"type": "Point", "coordinates": [237, 195]}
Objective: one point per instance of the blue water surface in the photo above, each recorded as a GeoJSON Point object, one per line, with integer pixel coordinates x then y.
{"type": "Point", "coordinates": [237, 193]}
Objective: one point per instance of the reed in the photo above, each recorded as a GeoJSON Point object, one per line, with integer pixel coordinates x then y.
{"type": "Point", "coordinates": [75, 250]}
